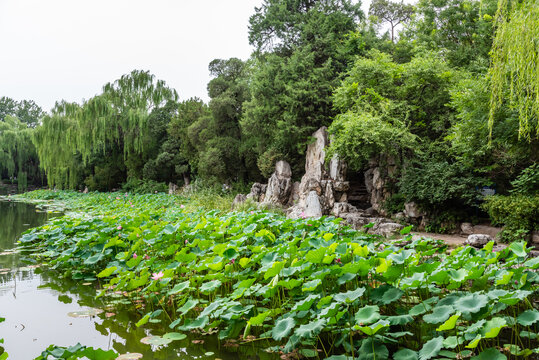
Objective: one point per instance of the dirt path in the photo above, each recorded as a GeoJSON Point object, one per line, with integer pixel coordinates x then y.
{"type": "Point", "coordinates": [452, 240]}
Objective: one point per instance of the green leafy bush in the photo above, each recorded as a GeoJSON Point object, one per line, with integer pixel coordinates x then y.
{"type": "Point", "coordinates": [515, 212]}
{"type": "Point", "coordinates": [527, 182]}
{"type": "Point", "coordinates": [138, 186]}
{"type": "Point", "coordinates": [395, 203]}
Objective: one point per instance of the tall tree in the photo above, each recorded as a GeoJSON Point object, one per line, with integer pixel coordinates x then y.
{"type": "Point", "coordinates": [18, 158]}
{"type": "Point", "coordinates": [26, 111]}
{"type": "Point", "coordinates": [515, 64]}
{"type": "Point", "coordinates": [394, 13]}
{"type": "Point", "coordinates": [112, 122]}
{"type": "Point", "coordinates": [301, 52]}
{"type": "Point", "coordinates": [460, 31]}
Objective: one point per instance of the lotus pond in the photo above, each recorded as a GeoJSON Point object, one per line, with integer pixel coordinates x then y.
{"type": "Point", "coordinates": [307, 288]}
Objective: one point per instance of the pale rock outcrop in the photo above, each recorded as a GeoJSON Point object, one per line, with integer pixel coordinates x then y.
{"type": "Point", "coordinates": [258, 192]}
{"type": "Point", "coordinates": [478, 240]}
{"type": "Point", "coordinates": [412, 210]}
{"type": "Point", "coordinates": [279, 185]}
{"type": "Point", "coordinates": [466, 228]}
{"type": "Point", "coordinates": [238, 200]}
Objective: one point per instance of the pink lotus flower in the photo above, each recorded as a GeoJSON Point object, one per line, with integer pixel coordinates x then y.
{"type": "Point", "coordinates": [303, 216]}
{"type": "Point", "coordinates": [186, 241]}
{"type": "Point", "coordinates": [135, 255]}
{"type": "Point", "coordinates": [232, 261]}
{"type": "Point", "coordinates": [119, 227]}
{"type": "Point", "coordinates": [157, 276]}
{"type": "Point", "coordinates": [146, 257]}
{"type": "Point", "coordinates": [252, 212]}
{"type": "Point", "coordinates": [125, 194]}
{"type": "Point", "coordinates": [117, 198]}
{"type": "Point", "coordinates": [182, 206]}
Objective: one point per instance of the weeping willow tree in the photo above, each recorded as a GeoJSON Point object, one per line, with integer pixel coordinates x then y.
{"type": "Point", "coordinates": [115, 119]}
{"type": "Point", "coordinates": [17, 153]}
{"type": "Point", "coordinates": [515, 64]}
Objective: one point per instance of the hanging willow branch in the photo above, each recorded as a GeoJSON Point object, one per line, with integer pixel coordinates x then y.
{"type": "Point", "coordinates": [118, 116]}
{"type": "Point", "coordinates": [515, 64]}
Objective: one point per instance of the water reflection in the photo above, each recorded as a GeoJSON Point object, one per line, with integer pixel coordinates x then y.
{"type": "Point", "coordinates": [35, 303]}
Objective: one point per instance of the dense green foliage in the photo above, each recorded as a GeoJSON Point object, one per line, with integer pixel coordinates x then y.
{"type": "Point", "coordinates": [440, 96]}
{"type": "Point", "coordinates": [19, 162]}
{"type": "Point", "coordinates": [313, 286]}
{"type": "Point", "coordinates": [515, 64]}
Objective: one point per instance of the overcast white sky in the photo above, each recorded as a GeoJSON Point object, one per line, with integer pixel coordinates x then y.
{"type": "Point", "coordinates": [68, 49]}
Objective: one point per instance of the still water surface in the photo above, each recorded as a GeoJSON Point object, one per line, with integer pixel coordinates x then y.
{"type": "Point", "coordinates": [36, 303]}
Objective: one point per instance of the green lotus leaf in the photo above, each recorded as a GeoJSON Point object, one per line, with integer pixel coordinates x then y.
{"type": "Point", "coordinates": [390, 295]}
{"type": "Point", "coordinates": [330, 311]}
{"type": "Point", "coordinates": [178, 288]}
{"type": "Point", "coordinates": [107, 272]}
{"type": "Point", "coordinates": [311, 329]}
{"type": "Point", "coordinates": [401, 257]}
{"type": "Point", "coordinates": [198, 323]}
{"type": "Point", "coordinates": [130, 356]}
{"type": "Point", "coordinates": [518, 248]}
{"type": "Point", "coordinates": [174, 336]}
{"type": "Point", "coordinates": [311, 285]}
{"type": "Point", "coordinates": [450, 323]}
{"type": "Point", "coordinates": [431, 348]}
{"type": "Point", "coordinates": [349, 296]}
{"type": "Point", "coordinates": [155, 340]}
{"type": "Point", "coordinates": [439, 314]}
{"type": "Point", "coordinates": [400, 319]}
{"type": "Point", "coordinates": [210, 286]}
{"type": "Point", "coordinates": [259, 319]}
{"type": "Point", "coordinates": [188, 305]}
{"type": "Point", "coordinates": [452, 342]}
{"type": "Point", "coordinates": [473, 344]}
{"type": "Point", "coordinates": [448, 354]}
{"type": "Point", "coordinates": [471, 303]}
{"type": "Point", "coordinates": [405, 354]}
{"type": "Point", "coordinates": [374, 328]}
{"type": "Point", "coordinates": [282, 328]}
{"type": "Point", "coordinates": [385, 294]}
{"type": "Point", "coordinates": [373, 350]}
{"type": "Point", "coordinates": [528, 317]}
{"type": "Point", "coordinates": [490, 354]}
{"type": "Point", "coordinates": [367, 315]}
{"type": "Point", "coordinates": [458, 275]}
{"type": "Point", "coordinates": [492, 327]}
{"type": "Point", "coordinates": [306, 303]}
{"type": "Point", "coordinates": [532, 263]}
{"type": "Point", "coordinates": [316, 256]}
{"type": "Point", "coordinates": [504, 277]}
{"type": "Point", "coordinates": [345, 278]}
{"type": "Point", "coordinates": [416, 280]}
{"type": "Point", "coordinates": [419, 309]}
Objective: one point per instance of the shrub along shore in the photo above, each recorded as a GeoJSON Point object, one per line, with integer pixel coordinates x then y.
{"type": "Point", "coordinates": [308, 288]}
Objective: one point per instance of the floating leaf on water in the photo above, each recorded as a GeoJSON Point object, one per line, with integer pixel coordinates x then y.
{"type": "Point", "coordinates": [84, 313]}
{"type": "Point", "coordinates": [155, 340]}
{"type": "Point", "coordinates": [209, 353]}
{"type": "Point", "coordinates": [129, 356]}
{"type": "Point", "coordinates": [174, 336]}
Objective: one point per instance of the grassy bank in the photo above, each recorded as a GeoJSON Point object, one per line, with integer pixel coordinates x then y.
{"type": "Point", "coordinates": [306, 288]}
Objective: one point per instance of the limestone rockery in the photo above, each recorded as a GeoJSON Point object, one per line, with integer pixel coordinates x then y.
{"type": "Point", "coordinates": [325, 190]}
